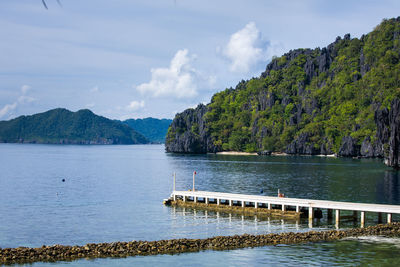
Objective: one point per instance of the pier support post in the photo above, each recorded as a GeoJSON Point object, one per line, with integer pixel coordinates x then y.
{"type": "Point", "coordinates": [330, 214]}
{"type": "Point", "coordinates": [206, 200]}
{"type": "Point", "coordinates": [174, 197]}
{"type": "Point", "coordinates": [218, 201]}
{"type": "Point", "coordinates": [283, 207]}
{"type": "Point", "coordinates": [255, 205]}
{"type": "Point", "coordinates": [362, 219]}
{"type": "Point", "coordinates": [297, 208]}
{"type": "Point", "coordinates": [195, 199]}
{"type": "Point", "coordinates": [337, 217]}
{"type": "Point", "coordinates": [355, 215]}
{"type": "Point", "coordinates": [310, 213]}
{"type": "Point", "coordinates": [379, 217]}
{"type": "Point", "coordinates": [184, 198]}
{"type": "Point", "coordinates": [243, 204]}
{"type": "Point", "coordinates": [230, 202]}
{"type": "Point", "coordinates": [194, 174]}
{"type": "Point", "coordinates": [269, 206]}
{"type": "Point", "coordinates": [389, 218]}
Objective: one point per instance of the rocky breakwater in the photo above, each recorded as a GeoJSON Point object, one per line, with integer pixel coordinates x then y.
{"type": "Point", "coordinates": [134, 248]}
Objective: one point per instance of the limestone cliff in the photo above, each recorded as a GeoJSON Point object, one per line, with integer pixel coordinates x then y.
{"type": "Point", "coordinates": [341, 99]}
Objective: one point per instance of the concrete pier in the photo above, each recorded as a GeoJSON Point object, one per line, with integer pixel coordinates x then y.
{"type": "Point", "coordinates": [287, 205]}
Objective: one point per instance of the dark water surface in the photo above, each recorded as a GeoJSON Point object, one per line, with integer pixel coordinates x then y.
{"type": "Point", "coordinates": [114, 193]}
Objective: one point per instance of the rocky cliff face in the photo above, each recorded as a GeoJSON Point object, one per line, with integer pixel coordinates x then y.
{"type": "Point", "coordinates": [334, 100]}
{"type": "Point", "coordinates": [188, 133]}
{"type": "Point", "coordinates": [391, 141]}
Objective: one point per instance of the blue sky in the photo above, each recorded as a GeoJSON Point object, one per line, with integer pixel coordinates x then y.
{"type": "Point", "coordinates": [134, 59]}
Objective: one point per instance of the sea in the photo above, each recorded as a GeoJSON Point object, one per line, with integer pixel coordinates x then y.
{"type": "Point", "coordinates": [79, 194]}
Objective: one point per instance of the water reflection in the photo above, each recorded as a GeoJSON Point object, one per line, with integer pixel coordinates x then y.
{"type": "Point", "coordinates": [228, 222]}
{"type": "Point", "coordinates": [387, 189]}
{"type": "Point", "coordinates": [115, 193]}
{"type": "Point", "coordinates": [341, 179]}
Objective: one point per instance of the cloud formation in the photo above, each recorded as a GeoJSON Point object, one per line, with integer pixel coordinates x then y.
{"type": "Point", "coordinates": [94, 89]}
{"type": "Point", "coordinates": [244, 48]}
{"type": "Point", "coordinates": [22, 99]}
{"type": "Point", "coordinates": [135, 105]}
{"type": "Point", "coordinates": [178, 80]}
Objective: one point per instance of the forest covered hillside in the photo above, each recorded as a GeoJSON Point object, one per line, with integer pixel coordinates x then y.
{"type": "Point", "coordinates": [61, 126]}
{"type": "Point", "coordinates": [153, 129]}
{"type": "Point", "coordinates": [342, 99]}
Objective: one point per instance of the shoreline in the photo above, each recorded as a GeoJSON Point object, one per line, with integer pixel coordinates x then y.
{"type": "Point", "coordinates": [275, 153]}
{"type": "Point", "coordinates": [238, 153]}
{"type": "Point", "coordinates": [55, 253]}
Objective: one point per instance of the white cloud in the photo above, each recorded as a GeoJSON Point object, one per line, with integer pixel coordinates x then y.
{"type": "Point", "coordinates": [135, 105]}
{"type": "Point", "coordinates": [25, 88]}
{"type": "Point", "coordinates": [244, 48]}
{"type": "Point", "coordinates": [94, 89]}
{"type": "Point", "coordinates": [7, 109]}
{"type": "Point", "coordinates": [178, 80]}
{"type": "Point", "coordinates": [25, 99]}
{"type": "Point", "coordinates": [22, 99]}
{"type": "Point", "coordinates": [90, 105]}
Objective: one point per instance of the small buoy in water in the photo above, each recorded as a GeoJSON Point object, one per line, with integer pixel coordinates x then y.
{"type": "Point", "coordinates": [261, 191]}
{"type": "Point", "coordinates": [63, 180]}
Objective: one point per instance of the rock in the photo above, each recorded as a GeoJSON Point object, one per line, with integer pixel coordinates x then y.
{"type": "Point", "coordinates": [364, 67]}
{"type": "Point", "coordinates": [123, 249]}
{"type": "Point", "coordinates": [349, 147]}
{"type": "Point", "coordinates": [388, 133]}
{"type": "Point", "coordinates": [367, 149]}
{"type": "Point", "coordinates": [393, 158]}
{"type": "Point", "coordinates": [302, 145]}
{"type": "Point", "coordinates": [382, 130]}
{"type": "Point", "coordinates": [188, 134]}
{"type": "Point", "coordinates": [264, 153]}
{"type": "Point", "coordinates": [326, 148]}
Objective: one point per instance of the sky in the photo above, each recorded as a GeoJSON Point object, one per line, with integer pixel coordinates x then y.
{"type": "Point", "coordinates": [136, 59]}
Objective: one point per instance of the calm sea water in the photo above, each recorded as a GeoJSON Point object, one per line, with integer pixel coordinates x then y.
{"type": "Point", "coordinates": [115, 193]}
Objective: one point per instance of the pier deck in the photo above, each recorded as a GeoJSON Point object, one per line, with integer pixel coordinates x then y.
{"type": "Point", "coordinates": [258, 201]}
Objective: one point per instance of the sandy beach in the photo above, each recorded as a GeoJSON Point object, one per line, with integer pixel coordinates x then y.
{"type": "Point", "coordinates": [237, 153]}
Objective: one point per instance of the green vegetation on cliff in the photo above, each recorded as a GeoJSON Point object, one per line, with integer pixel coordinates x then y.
{"type": "Point", "coordinates": [61, 126]}
{"type": "Point", "coordinates": [308, 101]}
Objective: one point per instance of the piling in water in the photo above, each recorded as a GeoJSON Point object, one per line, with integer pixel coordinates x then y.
{"type": "Point", "coordinates": [134, 248]}
{"type": "Point", "coordinates": [261, 212]}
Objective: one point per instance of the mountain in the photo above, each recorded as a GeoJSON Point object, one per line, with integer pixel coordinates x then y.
{"type": "Point", "coordinates": [61, 126]}
{"type": "Point", "coordinates": [342, 99]}
{"type": "Point", "coordinates": [153, 129]}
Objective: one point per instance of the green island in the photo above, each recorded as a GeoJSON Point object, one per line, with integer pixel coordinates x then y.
{"type": "Point", "coordinates": [61, 126]}
{"type": "Point", "coordinates": [342, 99]}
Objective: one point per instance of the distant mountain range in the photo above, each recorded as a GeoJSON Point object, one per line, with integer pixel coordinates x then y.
{"type": "Point", "coordinates": [153, 129]}
{"type": "Point", "coordinates": [61, 126]}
